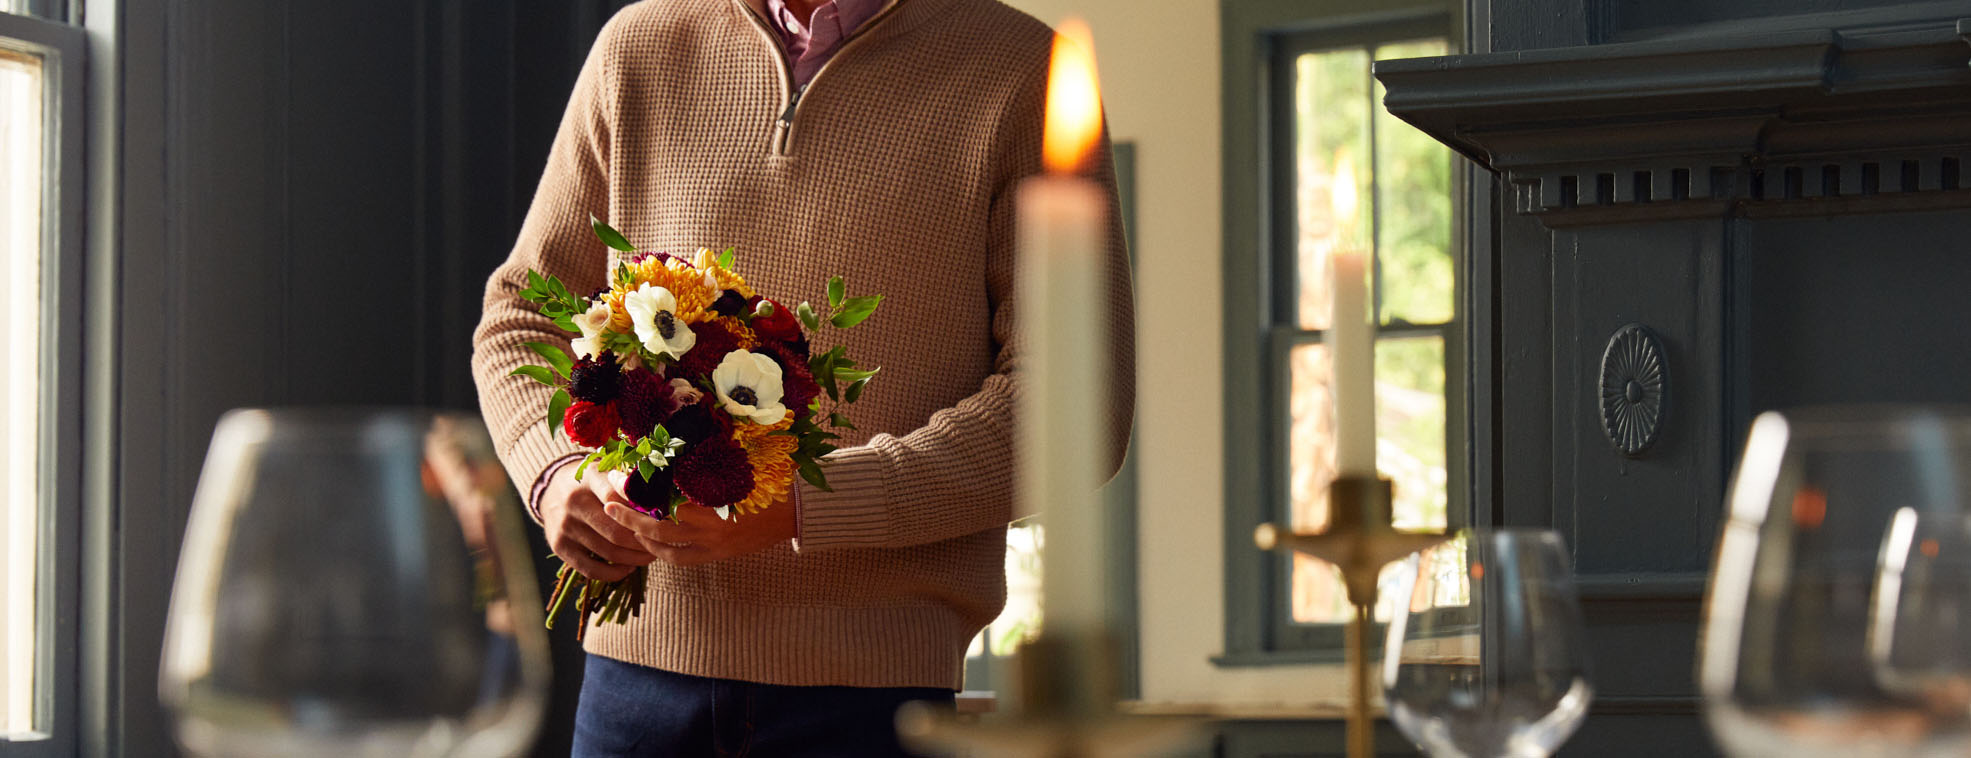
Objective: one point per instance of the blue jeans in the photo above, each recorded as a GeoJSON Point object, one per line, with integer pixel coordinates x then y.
{"type": "Point", "coordinates": [630, 710]}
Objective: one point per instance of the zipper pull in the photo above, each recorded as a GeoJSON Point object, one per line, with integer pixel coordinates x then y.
{"type": "Point", "coordinates": [793, 102]}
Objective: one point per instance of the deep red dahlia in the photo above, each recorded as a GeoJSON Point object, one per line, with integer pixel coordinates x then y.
{"type": "Point", "coordinates": [644, 403]}
{"type": "Point", "coordinates": [590, 424]}
{"type": "Point", "coordinates": [713, 473]}
{"type": "Point", "coordinates": [715, 339]}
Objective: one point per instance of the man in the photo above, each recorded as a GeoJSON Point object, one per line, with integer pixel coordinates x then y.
{"type": "Point", "coordinates": [876, 139]}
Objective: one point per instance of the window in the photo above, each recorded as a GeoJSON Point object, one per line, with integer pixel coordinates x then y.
{"type": "Point", "coordinates": [1337, 173]}
{"type": "Point", "coordinates": [40, 248]}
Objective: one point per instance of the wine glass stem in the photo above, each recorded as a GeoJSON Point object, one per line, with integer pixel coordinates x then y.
{"type": "Point", "coordinates": [1361, 734]}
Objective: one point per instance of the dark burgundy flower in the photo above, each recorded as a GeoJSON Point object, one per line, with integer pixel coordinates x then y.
{"type": "Point", "coordinates": [652, 497]}
{"type": "Point", "coordinates": [715, 339]}
{"type": "Point", "coordinates": [782, 326]}
{"type": "Point", "coordinates": [590, 424]}
{"type": "Point", "coordinates": [697, 423]}
{"type": "Point", "coordinates": [730, 303]}
{"type": "Point", "coordinates": [645, 402]}
{"type": "Point", "coordinates": [797, 385]}
{"type": "Point", "coordinates": [596, 380]}
{"type": "Point", "coordinates": [713, 473]}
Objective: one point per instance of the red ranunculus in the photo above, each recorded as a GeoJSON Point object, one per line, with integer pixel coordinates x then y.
{"type": "Point", "coordinates": [591, 424]}
{"type": "Point", "coordinates": [782, 326]}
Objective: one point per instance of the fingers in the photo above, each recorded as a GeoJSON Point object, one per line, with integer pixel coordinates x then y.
{"type": "Point", "coordinates": [581, 547]}
{"type": "Point", "coordinates": [656, 531]}
{"type": "Point", "coordinates": [609, 528]}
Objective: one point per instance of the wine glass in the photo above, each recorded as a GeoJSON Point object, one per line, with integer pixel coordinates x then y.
{"type": "Point", "coordinates": [1838, 619]}
{"type": "Point", "coordinates": [353, 583]}
{"type": "Point", "coordinates": [1487, 658]}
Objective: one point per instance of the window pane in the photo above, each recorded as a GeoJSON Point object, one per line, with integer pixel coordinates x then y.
{"type": "Point", "coordinates": [1410, 451]}
{"type": "Point", "coordinates": [1413, 205]}
{"type": "Point", "coordinates": [1331, 167]}
{"type": "Point", "coordinates": [48, 9]}
{"type": "Point", "coordinates": [1410, 428]}
{"type": "Point", "coordinates": [21, 120]}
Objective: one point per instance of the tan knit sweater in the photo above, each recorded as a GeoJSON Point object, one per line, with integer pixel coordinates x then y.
{"type": "Point", "coordinates": [896, 169]}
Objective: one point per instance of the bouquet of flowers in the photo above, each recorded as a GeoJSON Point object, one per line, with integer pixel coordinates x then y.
{"type": "Point", "coordinates": [706, 393]}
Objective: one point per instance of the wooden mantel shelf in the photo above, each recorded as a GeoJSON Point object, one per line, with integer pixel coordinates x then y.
{"type": "Point", "coordinates": [1700, 125]}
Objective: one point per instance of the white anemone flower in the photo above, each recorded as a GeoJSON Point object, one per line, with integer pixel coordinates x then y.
{"type": "Point", "coordinates": [748, 384]}
{"type": "Point", "coordinates": [653, 311]}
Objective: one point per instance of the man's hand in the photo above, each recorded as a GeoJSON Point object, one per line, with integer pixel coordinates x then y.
{"type": "Point", "coordinates": [699, 536]}
{"type": "Point", "coordinates": [581, 534]}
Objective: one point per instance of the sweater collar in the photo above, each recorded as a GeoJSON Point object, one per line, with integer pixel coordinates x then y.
{"type": "Point", "coordinates": [887, 20]}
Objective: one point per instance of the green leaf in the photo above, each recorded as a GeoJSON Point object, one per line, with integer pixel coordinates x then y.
{"type": "Point", "coordinates": [837, 289]}
{"type": "Point", "coordinates": [854, 392]}
{"type": "Point", "coordinates": [812, 472]}
{"type": "Point", "coordinates": [855, 310]}
{"type": "Point", "coordinates": [854, 375]}
{"type": "Point", "coordinates": [537, 373]}
{"type": "Point", "coordinates": [586, 461]}
{"type": "Point", "coordinates": [557, 408]}
{"type": "Point", "coordinates": [566, 324]}
{"type": "Point", "coordinates": [535, 282]}
{"type": "Point", "coordinates": [824, 373]}
{"type": "Point", "coordinates": [808, 319]}
{"type": "Point", "coordinates": [556, 359]}
{"type": "Point", "coordinates": [726, 259]}
{"type": "Point", "coordinates": [646, 468]}
{"type": "Point", "coordinates": [609, 236]}
{"type": "Point", "coordinates": [839, 421]}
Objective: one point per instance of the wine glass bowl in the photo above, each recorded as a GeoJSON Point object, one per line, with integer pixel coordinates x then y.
{"type": "Point", "coordinates": [1487, 657]}
{"type": "Point", "coordinates": [353, 583]}
{"type": "Point", "coordinates": [1838, 618]}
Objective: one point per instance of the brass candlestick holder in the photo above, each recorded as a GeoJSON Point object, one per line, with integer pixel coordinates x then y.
{"type": "Point", "coordinates": [1360, 539]}
{"type": "Point", "coordinates": [1067, 692]}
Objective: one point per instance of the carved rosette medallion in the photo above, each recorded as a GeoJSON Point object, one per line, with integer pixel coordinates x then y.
{"type": "Point", "coordinates": [1634, 386]}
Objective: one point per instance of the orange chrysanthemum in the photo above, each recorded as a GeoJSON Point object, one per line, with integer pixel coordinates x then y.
{"type": "Point", "coordinates": [767, 453]}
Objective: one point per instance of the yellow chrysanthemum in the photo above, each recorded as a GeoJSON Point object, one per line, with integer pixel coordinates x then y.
{"type": "Point", "coordinates": [767, 453]}
{"type": "Point", "coordinates": [619, 317]}
{"type": "Point", "coordinates": [685, 284]}
{"type": "Point", "coordinates": [707, 260]}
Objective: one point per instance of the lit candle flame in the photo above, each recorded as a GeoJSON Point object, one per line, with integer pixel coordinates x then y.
{"type": "Point", "coordinates": [1074, 101]}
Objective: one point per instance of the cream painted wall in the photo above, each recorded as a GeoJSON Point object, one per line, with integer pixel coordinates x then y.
{"type": "Point", "coordinates": [1159, 62]}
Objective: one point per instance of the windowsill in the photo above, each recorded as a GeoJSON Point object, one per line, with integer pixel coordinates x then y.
{"type": "Point", "coordinates": [1262, 658]}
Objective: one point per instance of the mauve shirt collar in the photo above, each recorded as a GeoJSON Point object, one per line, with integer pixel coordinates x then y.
{"type": "Point", "coordinates": [810, 45]}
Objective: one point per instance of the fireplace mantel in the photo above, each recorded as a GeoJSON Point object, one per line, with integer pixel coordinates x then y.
{"type": "Point", "coordinates": [1804, 121]}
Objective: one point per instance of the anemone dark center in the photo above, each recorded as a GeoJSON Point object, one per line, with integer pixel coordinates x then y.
{"type": "Point", "coordinates": [744, 396]}
{"type": "Point", "coordinates": [667, 324]}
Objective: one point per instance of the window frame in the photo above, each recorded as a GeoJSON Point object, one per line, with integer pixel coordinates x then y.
{"type": "Point", "coordinates": [63, 50]}
{"type": "Point", "coordinates": [1263, 38]}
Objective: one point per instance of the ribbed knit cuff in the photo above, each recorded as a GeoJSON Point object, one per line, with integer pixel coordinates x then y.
{"type": "Point", "coordinates": [857, 512]}
{"type": "Point", "coordinates": [532, 457]}
{"type": "Point", "coordinates": [541, 485]}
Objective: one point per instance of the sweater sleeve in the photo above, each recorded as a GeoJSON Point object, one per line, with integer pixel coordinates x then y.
{"type": "Point", "coordinates": [955, 475]}
{"type": "Point", "coordinates": [555, 239]}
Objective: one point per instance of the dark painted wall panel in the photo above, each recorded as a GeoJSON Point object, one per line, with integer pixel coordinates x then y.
{"type": "Point", "coordinates": [1834, 300]}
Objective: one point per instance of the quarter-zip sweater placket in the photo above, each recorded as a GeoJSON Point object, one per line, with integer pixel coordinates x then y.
{"type": "Point", "coordinates": [681, 133]}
